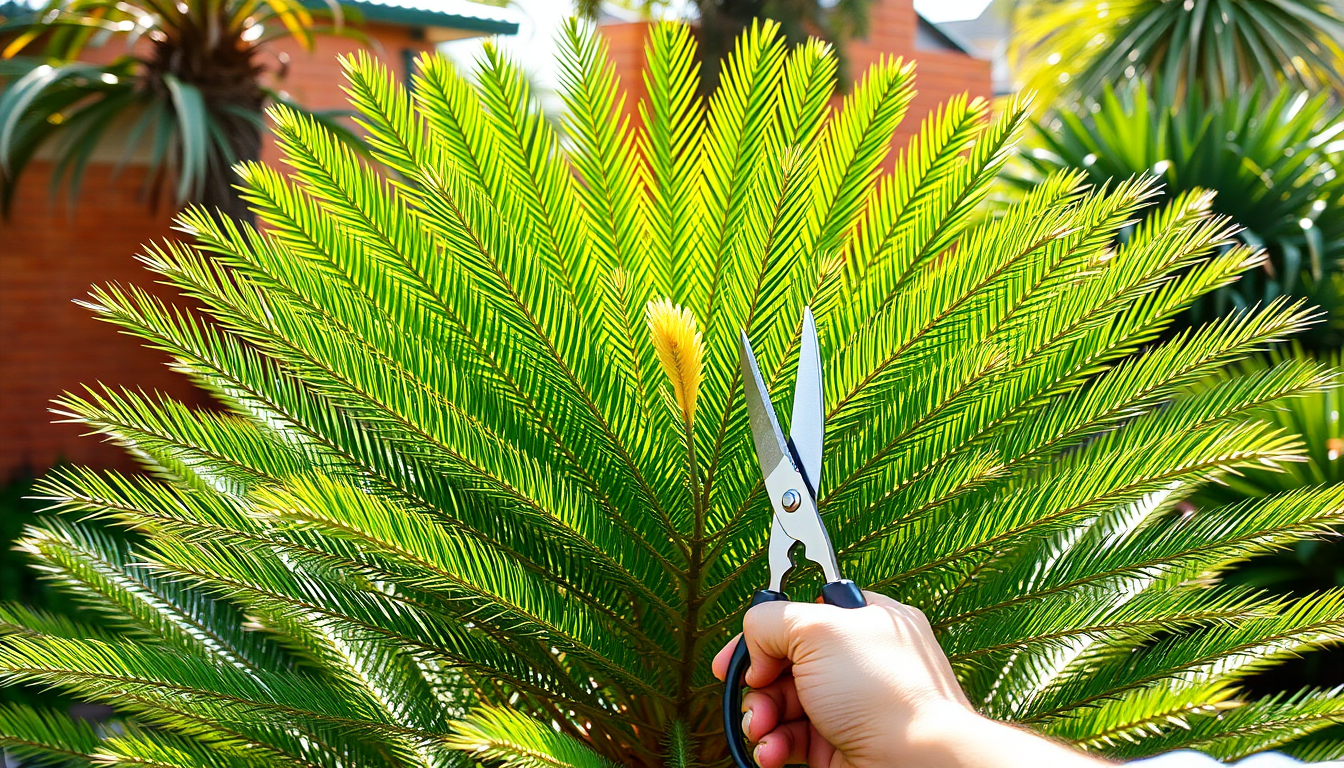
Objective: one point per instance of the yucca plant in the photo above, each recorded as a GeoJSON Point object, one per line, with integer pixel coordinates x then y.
{"type": "Point", "coordinates": [191, 99]}
{"type": "Point", "coordinates": [1276, 162]}
{"type": "Point", "coordinates": [481, 486]}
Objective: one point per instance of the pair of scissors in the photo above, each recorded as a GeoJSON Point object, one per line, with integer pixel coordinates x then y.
{"type": "Point", "coordinates": [792, 472]}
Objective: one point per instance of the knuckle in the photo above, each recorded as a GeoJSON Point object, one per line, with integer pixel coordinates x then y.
{"type": "Point", "coordinates": [810, 625]}
{"type": "Point", "coordinates": [911, 615]}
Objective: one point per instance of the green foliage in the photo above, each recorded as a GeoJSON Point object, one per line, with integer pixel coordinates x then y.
{"type": "Point", "coordinates": [47, 738]}
{"type": "Point", "coordinates": [450, 507]}
{"type": "Point", "coordinates": [193, 104]}
{"type": "Point", "coordinates": [511, 739]}
{"type": "Point", "coordinates": [25, 600]}
{"type": "Point", "coordinates": [1314, 420]}
{"type": "Point", "coordinates": [1310, 565]}
{"type": "Point", "coordinates": [1276, 163]}
{"type": "Point", "coordinates": [1076, 47]}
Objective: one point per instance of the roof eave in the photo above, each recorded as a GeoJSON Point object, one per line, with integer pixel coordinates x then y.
{"type": "Point", "coordinates": [419, 17]}
{"type": "Point", "coordinates": [943, 35]}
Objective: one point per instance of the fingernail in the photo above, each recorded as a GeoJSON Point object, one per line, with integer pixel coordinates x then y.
{"type": "Point", "coordinates": [746, 723]}
{"type": "Point", "coordinates": [756, 753]}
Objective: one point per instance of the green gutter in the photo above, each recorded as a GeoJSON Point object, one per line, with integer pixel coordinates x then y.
{"type": "Point", "coordinates": [419, 17]}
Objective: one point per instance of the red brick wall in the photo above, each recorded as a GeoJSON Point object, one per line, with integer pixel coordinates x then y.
{"type": "Point", "coordinates": [50, 255]}
{"type": "Point", "coordinates": [47, 258]}
{"type": "Point", "coordinates": [625, 43]}
{"type": "Point", "coordinates": [938, 74]}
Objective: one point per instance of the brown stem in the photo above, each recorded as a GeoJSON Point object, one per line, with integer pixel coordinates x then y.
{"type": "Point", "coordinates": [690, 630]}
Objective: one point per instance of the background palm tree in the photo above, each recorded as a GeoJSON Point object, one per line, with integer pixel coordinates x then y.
{"type": "Point", "coordinates": [1076, 47]}
{"type": "Point", "coordinates": [1239, 97]}
{"type": "Point", "coordinates": [1276, 162]}
{"type": "Point", "coordinates": [191, 87]}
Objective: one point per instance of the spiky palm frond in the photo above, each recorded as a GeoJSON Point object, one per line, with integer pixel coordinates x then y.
{"type": "Point", "coordinates": [1064, 48]}
{"type": "Point", "coordinates": [1275, 160]}
{"type": "Point", "coordinates": [1308, 565]}
{"type": "Point", "coordinates": [454, 502]}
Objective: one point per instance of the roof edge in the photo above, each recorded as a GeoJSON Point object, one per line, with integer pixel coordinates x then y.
{"type": "Point", "coordinates": [943, 35]}
{"type": "Point", "coordinates": [421, 17]}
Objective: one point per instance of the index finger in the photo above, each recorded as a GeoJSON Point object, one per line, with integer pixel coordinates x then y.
{"type": "Point", "coordinates": [725, 653]}
{"type": "Point", "coordinates": [766, 631]}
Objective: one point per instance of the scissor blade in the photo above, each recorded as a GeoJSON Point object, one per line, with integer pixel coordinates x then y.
{"type": "Point", "coordinates": [765, 431]}
{"type": "Point", "coordinates": [808, 427]}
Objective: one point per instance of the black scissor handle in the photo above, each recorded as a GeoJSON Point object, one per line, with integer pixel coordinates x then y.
{"type": "Point", "coordinates": [843, 593]}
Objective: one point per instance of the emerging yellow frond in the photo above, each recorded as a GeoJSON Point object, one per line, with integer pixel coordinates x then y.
{"type": "Point", "coordinates": [680, 350]}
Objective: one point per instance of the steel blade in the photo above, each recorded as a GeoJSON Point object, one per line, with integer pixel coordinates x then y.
{"type": "Point", "coordinates": [765, 431]}
{"type": "Point", "coordinates": [807, 429]}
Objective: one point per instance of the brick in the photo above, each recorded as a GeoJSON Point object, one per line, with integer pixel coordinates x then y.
{"type": "Point", "coordinates": [50, 255]}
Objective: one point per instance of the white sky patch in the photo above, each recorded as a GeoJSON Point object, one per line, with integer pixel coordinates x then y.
{"type": "Point", "coordinates": [533, 47]}
{"type": "Point", "coordinates": [939, 11]}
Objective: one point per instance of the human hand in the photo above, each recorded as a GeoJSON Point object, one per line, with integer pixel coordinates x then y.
{"type": "Point", "coordinates": [866, 688]}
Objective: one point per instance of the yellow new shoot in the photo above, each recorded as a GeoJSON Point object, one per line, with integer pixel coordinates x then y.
{"type": "Point", "coordinates": [680, 351]}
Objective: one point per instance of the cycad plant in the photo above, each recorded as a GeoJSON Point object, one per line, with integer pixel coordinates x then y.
{"type": "Point", "coordinates": [481, 486]}
{"type": "Point", "coordinates": [1275, 160]}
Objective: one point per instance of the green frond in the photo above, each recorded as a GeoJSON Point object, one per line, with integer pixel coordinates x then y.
{"type": "Point", "coordinates": [47, 738]}
{"type": "Point", "coordinates": [1316, 751]}
{"type": "Point", "coordinates": [21, 620]}
{"type": "Point", "coordinates": [224, 452]}
{"type": "Point", "coordinates": [103, 574]}
{"type": "Point", "coordinates": [475, 580]}
{"type": "Point", "coordinates": [158, 683]}
{"type": "Point", "coordinates": [504, 737]}
{"type": "Point", "coordinates": [1244, 728]}
{"type": "Point", "coordinates": [1128, 722]}
{"type": "Point", "coordinates": [1215, 653]}
{"type": "Point", "coordinates": [158, 749]}
{"type": "Point", "coordinates": [680, 747]}
{"type": "Point", "coordinates": [672, 119]}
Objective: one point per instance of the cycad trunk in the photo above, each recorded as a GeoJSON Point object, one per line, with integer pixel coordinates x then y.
{"type": "Point", "coordinates": [220, 189]}
{"type": "Point", "coordinates": [223, 68]}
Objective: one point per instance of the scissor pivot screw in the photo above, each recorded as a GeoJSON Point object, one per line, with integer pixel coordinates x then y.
{"type": "Point", "coordinates": [791, 499]}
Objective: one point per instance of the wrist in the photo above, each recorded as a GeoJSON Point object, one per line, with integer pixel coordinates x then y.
{"type": "Point", "coordinates": [952, 735]}
{"type": "Point", "coordinates": [935, 733]}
